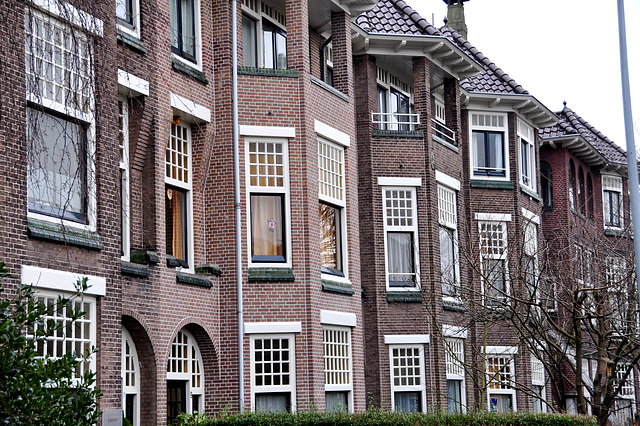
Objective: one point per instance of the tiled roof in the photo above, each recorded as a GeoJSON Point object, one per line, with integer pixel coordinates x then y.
{"type": "Point", "coordinates": [395, 17]}
{"type": "Point", "coordinates": [571, 123]}
{"type": "Point", "coordinates": [492, 79]}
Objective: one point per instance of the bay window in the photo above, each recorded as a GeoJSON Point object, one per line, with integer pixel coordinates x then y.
{"type": "Point", "coordinates": [489, 151]}
{"type": "Point", "coordinates": [493, 247]}
{"type": "Point", "coordinates": [528, 168]}
{"type": "Point", "coordinates": [612, 201]}
{"type": "Point", "coordinates": [264, 35]}
{"type": "Point", "coordinates": [401, 232]}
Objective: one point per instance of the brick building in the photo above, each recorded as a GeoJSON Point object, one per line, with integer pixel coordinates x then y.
{"type": "Point", "coordinates": [375, 153]}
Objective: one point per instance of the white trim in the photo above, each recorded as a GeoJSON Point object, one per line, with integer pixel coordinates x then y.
{"type": "Point", "coordinates": [454, 331]}
{"type": "Point", "coordinates": [71, 14]}
{"type": "Point", "coordinates": [502, 350]}
{"type": "Point", "coordinates": [125, 27]}
{"type": "Point", "coordinates": [493, 217]}
{"type": "Point", "coordinates": [269, 327]}
{"type": "Point", "coordinates": [399, 181]}
{"type": "Point", "coordinates": [531, 216]}
{"type": "Point", "coordinates": [190, 108]}
{"type": "Point", "coordinates": [332, 133]}
{"type": "Point", "coordinates": [406, 339]}
{"type": "Point", "coordinates": [338, 318]}
{"type": "Point", "coordinates": [422, 387]}
{"type": "Point", "coordinates": [61, 280]}
{"type": "Point", "coordinates": [266, 389]}
{"type": "Point", "coordinates": [447, 180]}
{"type": "Point", "coordinates": [132, 85]}
{"type": "Point", "coordinates": [268, 131]}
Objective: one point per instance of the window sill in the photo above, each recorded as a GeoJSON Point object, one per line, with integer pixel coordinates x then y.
{"type": "Point", "coordinates": [208, 269]}
{"type": "Point", "coordinates": [271, 274]}
{"type": "Point", "coordinates": [144, 257]}
{"type": "Point", "coordinates": [613, 232]}
{"type": "Point", "coordinates": [453, 304]}
{"type": "Point", "coordinates": [134, 269]}
{"type": "Point", "coordinates": [48, 231]}
{"type": "Point", "coordinates": [410, 296]}
{"type": "Point", "coordinates": [398, 133]}
{"type": "Point", "coordinates": [490, 184]}
{"type": "Point", "coordinates": [190, 71]}
{"type": "Point", "coordinates": [329, 88]}
{"type": "Point", "coordinates": [268, 72]}
{"type": "Point", "coordinates": [337, 287]}
{"type": "Point", "coordinates": [446, 144]}
{"type": "Point", "coordinates": [131, 41]}
{"type": "Point", "coordinates": [530, 192]}
{"type": "Point", "coordinates": [193, 280]}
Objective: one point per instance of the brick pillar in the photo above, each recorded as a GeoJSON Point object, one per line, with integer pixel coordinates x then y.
{"type": "Point", "coordinates": [297, 15]}
{"type": "Point", "coordinates": [422, 94]}
{"type": "Point", "coordinates": [342, 59]}
{"type": "Point", "coordinates": [452, 106]}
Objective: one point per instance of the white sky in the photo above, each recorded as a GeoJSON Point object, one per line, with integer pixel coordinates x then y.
{"type": "Point", "coordinates": [559, 50]}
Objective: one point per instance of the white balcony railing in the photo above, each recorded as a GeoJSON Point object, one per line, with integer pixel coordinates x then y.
{"type": "Point", "coordinates": [395, 121]}
{"type": "Point", "coordinates": [442, 133]}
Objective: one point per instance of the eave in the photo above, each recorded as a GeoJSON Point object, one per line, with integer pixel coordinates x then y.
{"type": "Point", "coordinates": [438, 49]}
{"type": "Point", "coordinates": [524, 105]}
{"type": "Point", "coordinates": [579, 147]}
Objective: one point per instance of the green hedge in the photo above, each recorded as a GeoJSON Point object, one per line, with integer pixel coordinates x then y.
{"type": "Point", "coordinates": [374, 417]}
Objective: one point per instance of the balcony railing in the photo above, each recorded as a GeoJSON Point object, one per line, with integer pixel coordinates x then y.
{"type": "Point", "coordinates": [395, 121]}
{"type": "Point", "coordinates": [442, 133]}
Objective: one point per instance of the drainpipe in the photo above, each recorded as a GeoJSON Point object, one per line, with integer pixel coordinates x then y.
{"type": "Point", "coordinates": [236, 178]}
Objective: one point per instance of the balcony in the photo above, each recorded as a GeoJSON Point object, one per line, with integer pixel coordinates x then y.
{"type": "Point", "coordinates": [442, 133]}
{"type": "Point", "coordinates": [394, 121]}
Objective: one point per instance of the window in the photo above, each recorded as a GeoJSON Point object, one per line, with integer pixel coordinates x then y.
{"type": "Point", "coordinates": [448, 220]}
{"type": "Point", "coordinates": [538, 385]}
{"type": "Point", "coordinates": [185, 377]}
{"type": "Point", "coordinates": [395, 110]}
{"type": "Point", "coordinates": [489, 150]}
{"type": "Point", "coordinates": [546, 183]}
{"type": "Point", "coordinates": [60, 132]}
{"type": "Point", "coordinates": [264, 35]}
{"type": "Point", "coordinates": [531, 261]}
{"type": "Point", "coordinates": [273, 373]}
{"type": "Point", "coordinates": [408, 387]}
{"type": "Point", "coordinates": [338, 380]}
{"type": "Point", "coordinates": [332, 204]}
{"type": "Point", "coordinates": [454, 357]}
{"type": "Point", "coordinates": [327, 65]}
{"type": "Point", "coordinates": [581, 191]}
{"type": "Point", "coordinates": [79, 337]}
{"type": "Point", "coordinates": [527, 155]}
{"type": "Point", "coordinates": [130, 371]}
{"type": "Point", "coordinates": [123, 132]}
{"type": "Point", "coordinates": [268, 176]}
{"type": "Point", "coordinates": [500, 377]}
{"type": "Point", "coordinates": [612, 201]}
{"type": "Point", "coordinates": [401, 231]}
{"type": "Point", "coordinates": [623, 413]}
{"type": "Point", "coordinates": [178, 197]}
{"type": "Point", "coordinates": [493, 247]}
{"type": "Point", "coordinates": [572, 185]}
{"type": "Point", "coordinates": [128, 16]}
{"type": "Point", "coordinates": [589, 196]}
{"type": "Point", "coordinates": [617, 284]}
{"type": "Point", "coordinates": [185, 28]}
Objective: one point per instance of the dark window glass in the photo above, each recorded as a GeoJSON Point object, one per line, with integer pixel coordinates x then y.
{"type": "Point", "coordinates": [589, 196]}
{"type": "Point", "coordinates": [572, 185]}
{"type": "Point", "coordinates": [581, 191]}
{"type": "Point", "coordinates": [176, 223]}
{"type": "Point", "coordinates": [488, 148]}
{"type": "Point", "coordinates": [546, 181]}
{"type": "Point", "coordinates": [183, 29]}
{"type": "Point", "coordinates": [176, 400]}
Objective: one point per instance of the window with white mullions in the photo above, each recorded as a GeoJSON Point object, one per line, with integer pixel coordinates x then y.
{"type": "Point", "coordinates": [526, 136]}
{"type": "Point", "coordinates": [185, 377]}
{"type": "Point", "coordinates": [123, 132]}
{"type": "Point", "coordinates": [273, 373]}
{"type": "Point", "coordinates": [538, 385]}
{"type": "Point", "coordinates": [489, 150]}
{"type": "Point", "coordinates": [337, 369]}
{"type": "Point", "coordinates": [130, 370]}
{"type": "Point", "coordinates": [407, 378]}
{"type": "Point", "coordinates": [401, 237]}
{"type": "Point", "coordinates": [128, 16]}
{"type": "Point", "coordinates": [454, 357]}
{"type": "Point", "coordinates": [612, 201]}
{"type": "Point", "coordinates": [448, 220]}
{"type": "Point", "coordinates": [500, 375]}
{"type": "Point", "coordinates": [493, 245]}
{"type": "Point", "coordinates": [264, 35]}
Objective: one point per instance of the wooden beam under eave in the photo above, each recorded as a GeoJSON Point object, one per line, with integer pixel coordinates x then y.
{"type": "Point", "coordinates": [444, 54]}
{"type": "Point", "coordinates": [399, 45]}
{"type": "Point", "coordinates": [494, 102]}
{"type": "Point", "coordinates": [528, 110]}
{"type": "Point", "coordinates": [433, 48]}
{"type": "Point", "coordinates": [453, 62]}
{"type": "Point", "coordinates": [522, 104]}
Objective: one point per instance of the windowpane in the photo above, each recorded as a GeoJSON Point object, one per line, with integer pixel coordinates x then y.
{"type": "Point", "coordinates": [408, 402]}
{"type": "Point", "coordinates": [249, 53]}
{"type": "Point", "coordinates": [176, 399]}
{"type": "Point", "coordinates": [273, 402]}
{"type": "Point", "coordinates": [330, 239]}
{"type": "Point", "coordinates": [447, 262]}
{"type": "Point", "coordinates": [267, 228]}
{"type": "Point", "coordinates": [454, 396]}
{"type": "Point", "coordinates": [488, 151]}
{"type": "Point", "coordinates": [176, 223]}
{"type": "Point", "coordinates": [400, 258]}
{"type": "Point", "coordinates": [337, 357]}
{"type": "Point", "coordinates": [336, 402]}
{"type": "Point", "coordinates": [123, 10]}
{"type": "Point", "coordinates": [183, 36]}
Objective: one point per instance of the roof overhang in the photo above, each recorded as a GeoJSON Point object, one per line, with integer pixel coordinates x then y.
{"type": "Point", "coordinates": [579, 147]}
{"type": "Point", "coordinates": [526, 106]}
{"type": "Point", "coordinates": [438, 49]}
{"type": "Point", "coordinates": [320, 12]}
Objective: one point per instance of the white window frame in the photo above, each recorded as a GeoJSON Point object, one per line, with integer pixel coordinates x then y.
{"type": "Point", "coordinates": [337, 200]}
{"type": "Point", "coordinates": [538, 378]}
{"type": "Point", "coordinates": [502, 221]}
{"type": "Point", "coordinates": [454, 365]}
{"type": "Point", "coordinates": [187, 376]}
{"type": "Point", "coordinates": [198, 39]}
{"type": "Point", "coordinates": [530, 242]}
{"type": "Point", "coordinates": [451, 186]}
{"type": "Point", "coordinates": [413, 229]}
{"type": "Point", "coordinates": [527, 155]}
{"type": "Point", "coordinates": [330, 356]}
{"type": "Point", "coordinates": [498, 122]}
{"type": "Point", "coordinates": [388, 119]}
{"type": "Point", "coordinates": [132, 28]}
{"type": "Point", "coordinates": [422, 387]}
{"type": "Point", "coordinates": [291, 387]}
{"type": "Point", "coordinates": [261, 12]}
{"type": "Point", "coordinates": [507, 353]}
{"type": "Point", "coordinates": [130, 366]}
{"type": "Point", "coordinates": [56, 17]}
{"type": "Point", "coordinates": [125, 226]}
{"type": "Point", "coordinates": [612, 183]}
{"type": "Point", "coordinates": [284, 191]}
{"type": "Point", "coordinates": [187, 187]}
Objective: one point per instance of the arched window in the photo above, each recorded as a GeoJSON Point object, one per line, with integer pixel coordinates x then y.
{"type": "Point", "coordinates": [572, 185]}
{"type": "Point", "coordinates": [185, 378]}
{"type": "Point", "coordinates": [581, 191]}
{"type": "Point", "coordinates": [130, 379]}
{"type": "Point", "coordinates": [546, 182]}
{"type": "Point", "coordinates": [589, 196]}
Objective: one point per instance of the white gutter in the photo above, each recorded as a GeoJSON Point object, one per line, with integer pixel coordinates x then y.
{"type": "Point", "coordinates": [236, 178]}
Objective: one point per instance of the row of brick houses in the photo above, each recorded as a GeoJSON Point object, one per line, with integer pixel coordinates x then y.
{"type": "Point", "coordinates": [426, 163]}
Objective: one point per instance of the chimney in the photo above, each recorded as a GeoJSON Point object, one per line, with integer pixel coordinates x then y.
{"type": "Point", "coordinates": [455, 16]}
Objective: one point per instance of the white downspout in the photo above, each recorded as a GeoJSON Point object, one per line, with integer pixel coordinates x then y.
{"type": "Point", "coordinates": [236, 177]}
